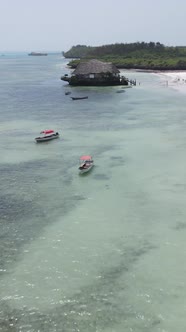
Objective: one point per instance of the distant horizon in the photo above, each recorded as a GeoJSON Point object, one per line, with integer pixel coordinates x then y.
{"type": "Point", "coordinates": [65, 50]}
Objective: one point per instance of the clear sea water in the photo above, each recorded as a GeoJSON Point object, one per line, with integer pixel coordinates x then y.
{"type": "Point", "coordinates": [104, 252]}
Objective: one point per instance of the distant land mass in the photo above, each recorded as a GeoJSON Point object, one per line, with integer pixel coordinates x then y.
{"type": "Point", "coordinates": [139, 55]}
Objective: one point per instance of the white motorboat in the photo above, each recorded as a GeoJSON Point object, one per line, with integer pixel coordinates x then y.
{"type": "Point", "coordinates": [86, 164]}
{"type": "Point", "coordinates": [47, 135]}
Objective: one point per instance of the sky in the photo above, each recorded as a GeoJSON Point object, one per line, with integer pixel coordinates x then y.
{"type": "Point", "coordinates": [57, 25]}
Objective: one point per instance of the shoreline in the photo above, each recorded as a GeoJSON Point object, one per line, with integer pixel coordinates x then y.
{"type": "Point", "coordinates": [155, 71]}
{"type": "Point", "coordinates": [174, 79]}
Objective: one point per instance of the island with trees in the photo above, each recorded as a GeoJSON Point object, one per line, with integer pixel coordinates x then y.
{"type": "Point", "coordinates": [139, 55]}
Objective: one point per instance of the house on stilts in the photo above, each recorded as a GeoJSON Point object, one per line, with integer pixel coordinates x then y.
{"type": "Point", "coordinates": [95, 73]}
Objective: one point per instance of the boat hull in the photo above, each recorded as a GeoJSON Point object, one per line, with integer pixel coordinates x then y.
{"type": "Point", "coordinates": [79, 98]}
{"type": "Point", "coordinates": [45, 139]}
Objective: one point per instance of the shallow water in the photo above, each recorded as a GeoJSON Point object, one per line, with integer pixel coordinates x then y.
{"type": "Point", "coordinates": [104, 251]}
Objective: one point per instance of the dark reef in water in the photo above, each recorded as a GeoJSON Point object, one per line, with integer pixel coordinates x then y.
{"type": "Point", "coordinates": [23, 217]}
{"type": "Point", "coordinates": [91, 307]}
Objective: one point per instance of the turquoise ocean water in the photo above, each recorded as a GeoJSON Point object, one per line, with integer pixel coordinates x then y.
{"type": "Point", "coordinates": [104, 252]}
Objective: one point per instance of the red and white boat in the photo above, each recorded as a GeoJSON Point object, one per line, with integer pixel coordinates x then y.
{"type": "Point", "coordinates": [86, 163]}
{"type": "Point", "coordinates": [47, 135]}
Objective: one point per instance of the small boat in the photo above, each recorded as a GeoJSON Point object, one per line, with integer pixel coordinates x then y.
{"type": "Point", "coordinates": [47, 135]}
{"type": "Point", "coordinates": [86, 163]}
{"type": "Point", "coordinates": [38, 53]}
{"type": "Point", "coordinates": [78, 98]}
{"type": "Point", "coordinates": [120, 91]}
{"type": "Point", "coordinates": [67, 93]}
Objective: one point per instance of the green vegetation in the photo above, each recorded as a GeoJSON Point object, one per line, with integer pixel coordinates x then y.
{"type": "Point", "coordinates": [152, 56]}
{"type": "Point", "coordinates": [78, 51]}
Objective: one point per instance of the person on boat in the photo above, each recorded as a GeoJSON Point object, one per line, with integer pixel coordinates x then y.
{"type": "Point", "coordinates": [82, 165]}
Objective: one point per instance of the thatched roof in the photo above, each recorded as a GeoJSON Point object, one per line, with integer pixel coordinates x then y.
{"type": "Point", "coordinates": [95, 67]}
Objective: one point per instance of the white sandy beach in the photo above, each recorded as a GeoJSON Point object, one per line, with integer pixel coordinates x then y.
{"type": "Point", "coordinates": [174, 79]}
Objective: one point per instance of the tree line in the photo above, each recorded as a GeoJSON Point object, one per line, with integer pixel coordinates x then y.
{"type": "Point", "coordinates": [142, 55]}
